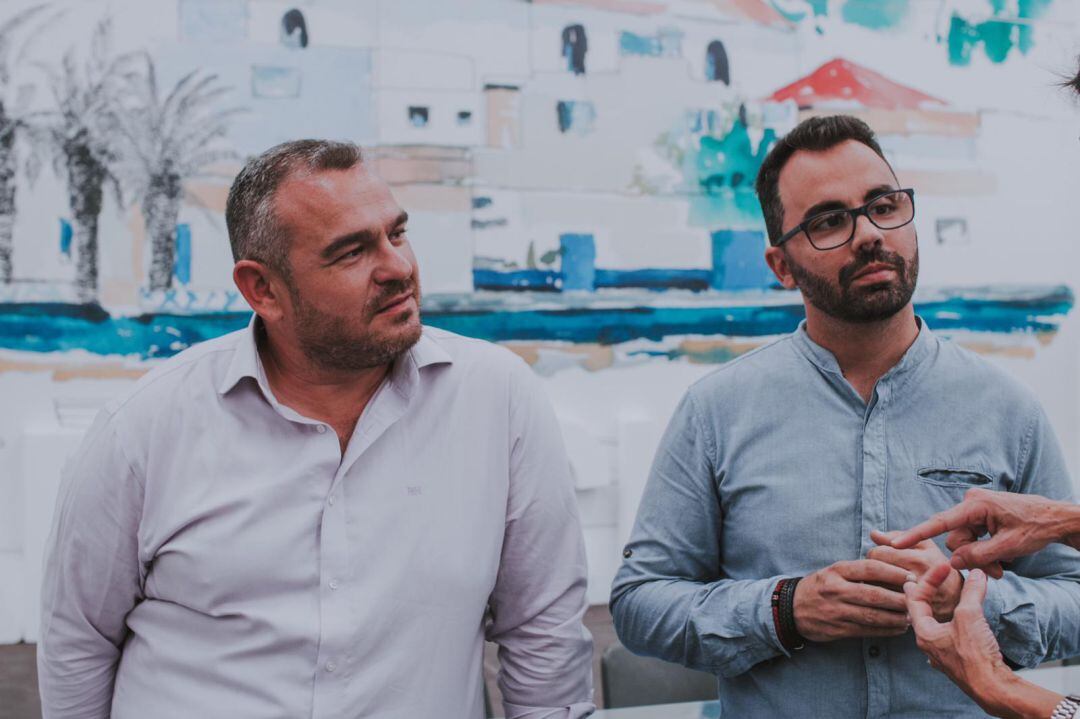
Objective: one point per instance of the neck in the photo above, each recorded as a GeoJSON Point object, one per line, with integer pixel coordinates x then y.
{"type": "Point", "coordinates": [865, 351]}
{"type": "Point", "coordinates": [337, 397]}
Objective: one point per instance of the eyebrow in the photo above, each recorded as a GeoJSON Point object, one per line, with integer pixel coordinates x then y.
{"type": "Point", "coordinates": [830, 205]}
{"type": "Point", "coordinates": [360, 237]}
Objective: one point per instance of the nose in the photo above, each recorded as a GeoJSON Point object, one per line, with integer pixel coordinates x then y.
{"type": "Point", "coordinates": [394, 262]}
{"type": "Point", "coordinates": [867, 234]}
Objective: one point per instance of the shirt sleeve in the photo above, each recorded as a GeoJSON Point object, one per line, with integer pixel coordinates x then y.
{"type": "Point", "coordinates": [1034, 608]}
{"type": "Point", "coordinates": [91, 577]}
{"type": "Point", "coordinates": [538, 601]}
{"type": "Point", "coordinates": [669, 599]}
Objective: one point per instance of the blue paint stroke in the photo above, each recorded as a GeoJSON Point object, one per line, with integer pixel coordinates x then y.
{"type": "Point", "coordinates": [578, 253]}
{"type": "Point", "coordinates": [738, 261]}
{"type": "Point", "coordinates": [666, 43]}
{"type": "Point", "coordinates": [516, 280]}
{"type": "Point", "coordinates": [480, 203]}
{"type": "Point", "coordinates": [66, 234]}
{"type": "Point", "coordinates": [576, 115]}
{"type": "Point", "coordinates": [55, 327]}
{"type": "Point", "coordinates": [182, 266]}
{"type": "Point", "coordinates": [655, 279]}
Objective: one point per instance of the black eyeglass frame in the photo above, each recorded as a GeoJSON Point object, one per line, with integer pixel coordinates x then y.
{"type": "Point", "coordinates": [855, 212]}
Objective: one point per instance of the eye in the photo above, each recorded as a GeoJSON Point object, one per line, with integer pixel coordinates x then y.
{"type": "Point", "coordinates": [398, 234]}
{"type": "Point", "coordinates": [830, 221]}
{"type": "Point", "coordinates": [354, 252]}
{"type": "Point", "coordinates": [885, 207]}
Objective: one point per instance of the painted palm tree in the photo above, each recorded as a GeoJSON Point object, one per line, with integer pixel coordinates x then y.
{"type": "Point", "coordinates": [14, 115]}
{"type": "Point", "coordinates": [167, 141]}
{"type": "Point", "coordinates": [80, 134]}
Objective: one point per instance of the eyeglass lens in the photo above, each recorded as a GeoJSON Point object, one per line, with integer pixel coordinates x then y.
{"type": "Point", "coordinates": [832, 229]}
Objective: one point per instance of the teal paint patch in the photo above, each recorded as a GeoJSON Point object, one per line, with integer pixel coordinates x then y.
{"type": "Point", "coordinates": [723, 169]}
{"type": "Point", "coordinates": [997, 36]}
{"type": "Point", "coordinates": [876, 14]}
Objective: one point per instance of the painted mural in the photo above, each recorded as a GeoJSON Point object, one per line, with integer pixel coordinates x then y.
{"type": "Point", "coordinates": [589, 187]}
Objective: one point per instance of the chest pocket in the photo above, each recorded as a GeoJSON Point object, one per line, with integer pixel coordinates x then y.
{"type": "Point", "coordinates": [955, 477]}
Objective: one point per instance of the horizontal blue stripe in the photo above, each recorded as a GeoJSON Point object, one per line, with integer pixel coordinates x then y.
{"type": "Point", "coordinates": [655, 279]}
{"type": "Point", "coordinates": [535, 280]}
{"type": "Point", "coordinates": [48, 327]}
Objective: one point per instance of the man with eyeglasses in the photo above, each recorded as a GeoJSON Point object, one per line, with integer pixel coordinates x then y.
{"type": "Point", "coordinates": [756, 554]}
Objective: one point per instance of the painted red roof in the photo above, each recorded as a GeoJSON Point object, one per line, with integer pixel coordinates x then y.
{"type": "Point", "coordinates": [841, 80]}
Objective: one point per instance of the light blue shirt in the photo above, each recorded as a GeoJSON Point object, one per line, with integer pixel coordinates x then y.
{"type": "Point", "coordinates": [214, 554]}
{"type": "Point", "coordinates": [773, 466]}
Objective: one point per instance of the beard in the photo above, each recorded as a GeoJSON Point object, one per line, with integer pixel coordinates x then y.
{"type": "Point", "coordinates": [331, 341]}
{"type": "Point", "coordinates": [864, 304]}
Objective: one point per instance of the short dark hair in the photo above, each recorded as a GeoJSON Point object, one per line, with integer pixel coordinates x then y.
{"type": "Point", "coordinates": [814, 134]}
{"type": "Point", "coordinates": [255, 233]}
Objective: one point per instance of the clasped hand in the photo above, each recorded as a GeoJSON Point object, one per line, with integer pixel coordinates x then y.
{"type": "Point", "coordinates": [865, 597]}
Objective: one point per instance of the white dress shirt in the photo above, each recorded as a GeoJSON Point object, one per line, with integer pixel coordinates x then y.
{"type": "Point", "coordinates": [214, 554]}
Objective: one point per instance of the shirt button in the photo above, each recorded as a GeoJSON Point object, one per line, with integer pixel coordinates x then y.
{"type": "Point", "coordinates": [331, 500]}
{"type": "Point", "coordinates": [321, 429]}
{"type": "Point", "coordinates": [333, 584]}
{"type": "Point", "coordinates": [627, 553]}
{"type": "Point", "coordinates": [874, 652]}
{"type": "Point", "coordinates": [330, 666]}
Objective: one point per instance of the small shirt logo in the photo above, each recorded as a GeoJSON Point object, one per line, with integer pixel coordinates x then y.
{"type": "Point", "coordinates": [413, 491]}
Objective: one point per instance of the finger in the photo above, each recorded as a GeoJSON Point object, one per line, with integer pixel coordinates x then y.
{"type": "Point", "coordinates": [905, 558]}
{"type": "Point", "coordinates": [961, 515]}
{"type": "Point", "coordinates": [965, 535]}
{"type": "Point", "coordinates": [937, 575]}
{"type": "Point", "coordinates": [882, 538]}
{"type": "Point", "coordinates": [872, 570]}
{"type": "Point", "coordinates": [995, 570]}
{"type": "Point", "coordinates": [868, 595]}
{"type": "Point", "coordinates": [920, 611]}
{"type": "Point", "coordinates": [877, 618]}
{"type": "Point", "coordinates": [986, 551]}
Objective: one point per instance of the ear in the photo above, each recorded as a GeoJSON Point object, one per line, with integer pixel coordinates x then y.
{"type": "Point", "coordinates": [263, 289]}
{"type": "Point", "coordinates": [778, 263]}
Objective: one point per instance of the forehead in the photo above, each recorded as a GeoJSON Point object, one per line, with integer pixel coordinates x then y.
{"type": "Point", "coordinates": [843, 173]}
{"type": "Point", "coordinates": [328, 203]}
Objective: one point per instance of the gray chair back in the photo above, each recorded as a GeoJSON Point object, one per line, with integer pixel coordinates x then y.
{"type": "Point", "coordinates": [630, 681]}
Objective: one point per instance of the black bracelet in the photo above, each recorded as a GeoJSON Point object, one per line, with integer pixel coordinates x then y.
{"type": "Point", "coordinates": [794, 640]}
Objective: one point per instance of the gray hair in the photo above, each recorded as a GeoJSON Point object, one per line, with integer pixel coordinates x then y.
{"type": "Point", "coordinates": [255, 233]}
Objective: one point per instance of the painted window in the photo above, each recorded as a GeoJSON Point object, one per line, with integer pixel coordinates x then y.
{"type": "Point", "coordinates": [294, 32]}
{"type": "Point", "coordinates": [574, 47]}
{"type": "Point", "coordinates": [716, 63]}
{"type": "Point", "coordinates": [418, 116]}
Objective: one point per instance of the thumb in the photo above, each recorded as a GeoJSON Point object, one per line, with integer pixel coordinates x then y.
{"type": "Point", "coordinates": [974, 591]}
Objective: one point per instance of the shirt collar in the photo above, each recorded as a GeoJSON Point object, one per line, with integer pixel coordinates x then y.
{"type": "Point", "coordinates": [824, 359]}
{"type": "Point", "coordinates": [246, 361]}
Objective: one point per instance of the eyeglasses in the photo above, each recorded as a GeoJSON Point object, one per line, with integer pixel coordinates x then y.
{"type": "Point", "coordinates": [835, 228]}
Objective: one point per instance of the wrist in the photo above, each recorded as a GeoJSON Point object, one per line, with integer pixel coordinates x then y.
{"type": "Point", "coordinates": [1009, 696]}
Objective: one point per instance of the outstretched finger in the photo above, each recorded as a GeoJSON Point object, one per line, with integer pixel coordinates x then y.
{"type": "Point", "coordinates": [959, 516]}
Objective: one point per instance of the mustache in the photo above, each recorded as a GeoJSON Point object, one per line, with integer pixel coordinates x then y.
{"type": "Point", "coordinates": [877, 256]}
{"type": "Point", "coordinates": [389, 291]}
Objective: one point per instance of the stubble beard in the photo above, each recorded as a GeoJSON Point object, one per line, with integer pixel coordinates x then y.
{"type": "Point", "coordinates": [863, 304]}
{"type": "Point", "coordinates": [332, 343]}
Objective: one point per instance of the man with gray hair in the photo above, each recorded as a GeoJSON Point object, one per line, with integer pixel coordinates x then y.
{"type": "Point", "coordinates": [325, 513]}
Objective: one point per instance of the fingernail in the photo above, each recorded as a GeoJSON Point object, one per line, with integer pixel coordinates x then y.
{"type": "Point", "coordinates": [910, 578]}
